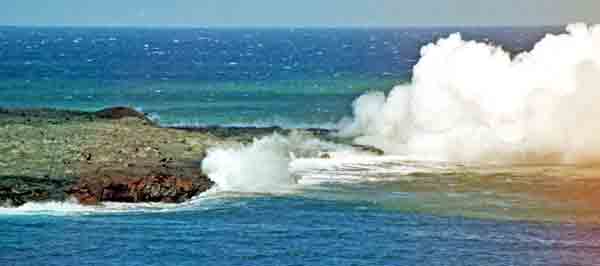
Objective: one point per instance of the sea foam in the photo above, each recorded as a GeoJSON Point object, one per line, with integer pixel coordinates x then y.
{"type": "Point", "coordinates": [472, 101]}
{"type": "Point", "coordinates": [72, 207]}
{"type": "Point", "coordinates": [263, 166]}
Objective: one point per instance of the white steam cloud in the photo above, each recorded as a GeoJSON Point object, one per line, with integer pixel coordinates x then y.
{"type": "Point", "coordinates": [470, 101]}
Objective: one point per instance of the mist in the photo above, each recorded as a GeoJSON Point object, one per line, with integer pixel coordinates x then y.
{"type": "Point", "coordinates": [473, 102]}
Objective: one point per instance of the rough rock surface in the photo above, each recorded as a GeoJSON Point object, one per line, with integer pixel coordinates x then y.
{"type": "Point", "coordinates": [46, 154]}
{"type": "Point", "coordinates": [147, 189]}
{"type": "Point", "coordinates": [17, 190]}
{"type": "Point", "coordinates": [163, 181]}
{"type": "Point", "coordinates": [119, 112]}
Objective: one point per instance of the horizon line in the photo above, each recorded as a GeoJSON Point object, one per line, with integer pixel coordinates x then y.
{"type": "Point", "coordinates": [226, 26]}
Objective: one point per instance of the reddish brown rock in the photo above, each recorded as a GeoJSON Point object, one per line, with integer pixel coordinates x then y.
{"type": "Point", "coordinates": [140, 180]}
{"type": "Point", "coordinates": [147, 189]}
{"type": "Point", "coordinates": [83, 194]}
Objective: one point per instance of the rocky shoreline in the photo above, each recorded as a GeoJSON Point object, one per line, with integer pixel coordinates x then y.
{"type": "Point", "coordinates": [115, 154]}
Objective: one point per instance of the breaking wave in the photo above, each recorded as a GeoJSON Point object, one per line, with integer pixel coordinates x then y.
{"type": "Point", "coordinates": [263, 166]}
{"type": "Point", "coordinates": [205, 201]}
{"type": "Point", "coordinates": [472, 101]}
{"type": "Point", "coordinates": [71, 207]}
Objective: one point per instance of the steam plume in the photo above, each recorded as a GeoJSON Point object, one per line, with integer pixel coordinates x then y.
{"type": "Point", "coordinates": [471, 101]}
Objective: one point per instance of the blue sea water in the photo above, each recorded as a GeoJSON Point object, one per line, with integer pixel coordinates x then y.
{"type": "Point", "coordinates": [288, 77]}
{"type": "Point", "coordinates": [289, 231]}
{"type": "Point", "coordinates": [257, 77]}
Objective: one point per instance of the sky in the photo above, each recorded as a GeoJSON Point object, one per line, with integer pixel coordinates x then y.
{"type": "Point", "coordinates": [284, 13]}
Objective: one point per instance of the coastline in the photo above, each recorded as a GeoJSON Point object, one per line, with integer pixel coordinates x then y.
{"type": "Point", "coordinates": [116, 154]}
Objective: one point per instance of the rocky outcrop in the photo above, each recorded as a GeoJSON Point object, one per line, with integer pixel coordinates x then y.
{"type": "Point", "coordinates": [115, 154]}
{"type": "Point", "coordinates": [48, 116]}
{"type": "Point", "coordinates": [139, 179]}
{"type": "Point", "coordinates": [17, 190]}
{"type": "Point", "coordinates": [159, 188]}
{"type": "Point", "coordinates": [119, 112]}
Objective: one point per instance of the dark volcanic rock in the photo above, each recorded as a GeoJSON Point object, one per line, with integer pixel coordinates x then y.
{"type": "Point", "coordinates": [159, 188]}
{"type": "Point", "coordinates": [42, 115]}
{"type": "Point", "coordinates": [16, 191]}
{"type": "Point", "coordinates": [370, 149]}
{"type": "Point", "coordinates": [119, 112]}
{"type": "Point", "coordinates": [55, 116]}
{"type": "Point", "coordinates": [163, 182]}
{"type": "Point", "coordinates": [247, 134]}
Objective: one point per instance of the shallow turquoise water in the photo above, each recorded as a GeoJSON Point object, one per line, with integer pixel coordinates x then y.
{"type": "Point", "coordinates": [317, 102]}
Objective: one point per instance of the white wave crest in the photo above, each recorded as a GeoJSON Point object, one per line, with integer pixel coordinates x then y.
{"type": "Point", "coordinates": [51, 208]}
{"type": "Point", "coordinates": [72, 207]}
{"type": "Point", "coordinates": [471, 101]}
{"type": "Point", "coordinates": [204, 201]}
{"type": "Point", "coordinates": [264, 165]}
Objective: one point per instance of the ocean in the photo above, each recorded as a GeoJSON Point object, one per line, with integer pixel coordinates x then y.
{"type": "Point", "coordinates": [408, 208]}
{"type": "Point", "coordinates": [286, 77]}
